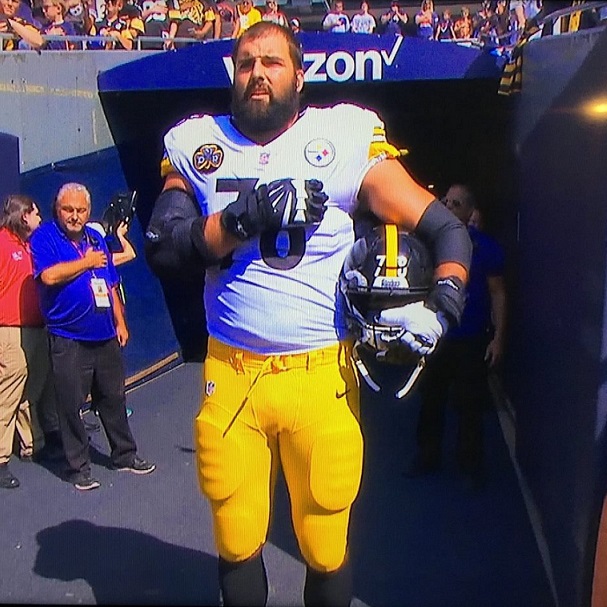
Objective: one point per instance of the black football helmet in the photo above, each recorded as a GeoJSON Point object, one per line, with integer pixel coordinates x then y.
{"type": "Point", "coordinates": [120, 208]}
{"type": "Point", "coordinates": [387, 268]}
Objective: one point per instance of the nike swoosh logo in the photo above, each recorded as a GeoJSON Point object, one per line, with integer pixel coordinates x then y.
{"type": "Point", "coordinates": [341, 394]}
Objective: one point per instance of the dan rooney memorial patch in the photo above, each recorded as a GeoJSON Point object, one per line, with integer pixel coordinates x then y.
{"type": "Point", "coordinates": [207, 158]}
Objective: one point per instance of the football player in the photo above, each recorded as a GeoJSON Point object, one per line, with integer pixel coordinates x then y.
{"type": "Point", "coordinates": [263, 198]}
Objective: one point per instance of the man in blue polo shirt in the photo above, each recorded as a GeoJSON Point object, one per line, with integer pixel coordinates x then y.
{"type": "Point", "coordinates": [85, 319]}
{"type": "Point", "coordinates": [459, 366]}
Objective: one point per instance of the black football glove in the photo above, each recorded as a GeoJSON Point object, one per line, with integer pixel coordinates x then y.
{"type": "Point", "coordinates": [293, 205]}
{"type": "Point", "coordinates": [275, 206]}
{"type": "Point", "coordinates": [249, 214]}
{"type": "Point", "coordinates": [315, 201]}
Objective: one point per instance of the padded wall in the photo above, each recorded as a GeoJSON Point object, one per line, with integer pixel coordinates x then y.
{"type": "Point", "coordinates": [9, 161]}
{"type": "Point", "coordinates": [557, 372]}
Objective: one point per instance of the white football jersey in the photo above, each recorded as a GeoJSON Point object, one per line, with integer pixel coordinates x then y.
{"type": "Point", "coordinates": [278, 293]}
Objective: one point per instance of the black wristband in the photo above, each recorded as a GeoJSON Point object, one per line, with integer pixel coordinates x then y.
{"type": "Point", "coordinates": [449, 297]}
{"type": "Point", "coordinates": [232, 224]}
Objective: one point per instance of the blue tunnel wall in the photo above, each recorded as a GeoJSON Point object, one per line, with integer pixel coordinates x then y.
{"type": "Point", "coordinates": [9, 161]}
{"type": "Point", "coordinates": [557, 370]}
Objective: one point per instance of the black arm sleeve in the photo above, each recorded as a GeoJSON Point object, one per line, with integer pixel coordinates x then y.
{"type": "Point", "coordinates": [449, 241]}
{"type": "Point", "coordinates": [174, 237]}
{"type": "Point", "coordinates": [446, 235]}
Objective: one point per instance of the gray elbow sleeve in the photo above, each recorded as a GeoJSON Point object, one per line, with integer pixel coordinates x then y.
{"type": "Point", "coordinates": [174, 238]}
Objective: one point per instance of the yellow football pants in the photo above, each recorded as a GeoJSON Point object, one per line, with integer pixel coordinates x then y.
{"type": "Point", "coordinates": [299, 411]}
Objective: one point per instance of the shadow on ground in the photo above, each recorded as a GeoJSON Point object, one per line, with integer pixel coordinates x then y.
{"type": "Point", "coordinates": [123, 566]}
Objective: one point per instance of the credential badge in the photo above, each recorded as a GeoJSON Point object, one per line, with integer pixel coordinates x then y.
{"type": "Point", "coordinates": [208, 158]}
{"type": "Point", "coordinates": [319, 152]}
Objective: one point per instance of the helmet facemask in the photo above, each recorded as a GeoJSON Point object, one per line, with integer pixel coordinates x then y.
{"type": "Point", "coordinates": [386, 268]}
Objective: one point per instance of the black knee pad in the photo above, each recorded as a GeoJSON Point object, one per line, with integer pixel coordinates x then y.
{"type": "Point", "coordinates": [244, 583]}
{"type": "Point", "coordinates": [333, 589]}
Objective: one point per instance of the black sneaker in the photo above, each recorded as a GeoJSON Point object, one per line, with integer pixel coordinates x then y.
{"type": "Point", "coordinates": [7, 479]}
{"type": "Point", "coordinates": [137, 466]}
{"type": "Point", "coordinates": [85, 482]}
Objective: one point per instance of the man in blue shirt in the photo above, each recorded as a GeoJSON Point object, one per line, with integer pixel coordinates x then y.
{"type": "Point", "coordinates": [459, 366]}
{"type": "Point", "coordinates": [79, 300]}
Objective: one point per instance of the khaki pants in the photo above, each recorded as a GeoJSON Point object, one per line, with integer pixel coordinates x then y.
{"type": "Point", "coordinates": [24, 377]}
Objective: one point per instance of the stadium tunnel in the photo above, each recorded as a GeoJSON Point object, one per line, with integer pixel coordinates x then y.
{"type": "Point", "coordinates": [536, 163]}
{"type": "Point", "coordinates": [439, 102]}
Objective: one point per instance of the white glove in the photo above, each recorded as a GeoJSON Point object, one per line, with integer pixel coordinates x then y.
{"type": "Point", "coordinates": [423, 327]}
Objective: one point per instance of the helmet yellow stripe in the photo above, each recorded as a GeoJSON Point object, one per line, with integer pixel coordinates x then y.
{"type": "Point", "coordinates": [391, 250]}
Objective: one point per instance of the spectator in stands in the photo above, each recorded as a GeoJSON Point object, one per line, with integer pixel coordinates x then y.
{"type": "Point", "coordinates": [480, 19]}
{"type": "Point", "coordinates": [156, 23]}
{"type": "Point", "coordinates": [363, 22]}
{"type": "Point", "coordinates": [25, 380]}
{"type": "Point", "coordinates": [228, 24]}
{"type": "Point", "coordinates": [54, 11]}
{"type": "Point", "coordinates": [504, 27]}
{"type": "Point", "coordinates": [486, 28]}
{"type": "Point", "coordinates": [444, 29]}
{"type": "Point", "coordinates": [31, 12]}
{"type": "Point", "coordinates": [112, 25]}
{"type": "Point", "coordinates": [461, 362]}
{"type": "Point", "coordinates": [131, 15]}
{"type": "Point", "coordinates": [80, 302]}
{"type": "Point", "coordinates": [523, 10]}
{"type": "Point", "coordinates": [194, 19]}
{"type": "Point", "coordinates": [23, 31]}
{"type": "Point", "coordinates": [426, 20]}
{"type": "Point", "coordinates": [248, 15]}
{"type": "Point", "coordinates": [79, 16]}
{"type": "Point", "coordinates": [463, 26]}
{"type": "Point", "coordinates": [394, 20]}
{"type": "Point", "coordinates": [273, 14]}
{"type": "Point", "coordinates": [295, 25]}
{"type": "Point", "coordinates": [336, 20]}
{"type": "Point", "coordinates": [96, 12]}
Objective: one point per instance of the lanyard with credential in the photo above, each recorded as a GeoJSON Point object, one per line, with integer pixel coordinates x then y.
{"type": "Point", "coordinates": [98, 285]}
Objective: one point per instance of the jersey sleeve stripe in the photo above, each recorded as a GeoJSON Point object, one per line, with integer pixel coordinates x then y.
{"type": "Point", "coordinates": [382, 149]}
{"type": "Point", "coordinates": [166, 167]}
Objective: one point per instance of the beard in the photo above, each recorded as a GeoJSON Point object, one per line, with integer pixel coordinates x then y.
{"type": "Point", "coordinates": [255, 116]}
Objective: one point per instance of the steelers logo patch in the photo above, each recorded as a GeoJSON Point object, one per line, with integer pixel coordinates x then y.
{"type": "Point", "coordinates": [319, 152]}
{"type": "Point", "coordinates": [207, 158]}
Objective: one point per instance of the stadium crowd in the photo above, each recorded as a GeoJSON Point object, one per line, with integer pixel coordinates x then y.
{"type": "Point", "coordinates": [169, 24]}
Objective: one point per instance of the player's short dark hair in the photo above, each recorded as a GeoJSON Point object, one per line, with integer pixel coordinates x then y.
{"type": "Point", "coordinates": [266, 28]}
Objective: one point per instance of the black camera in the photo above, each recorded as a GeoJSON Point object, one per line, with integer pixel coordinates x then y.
{"type": "Point", "coordinates": [121, 209]}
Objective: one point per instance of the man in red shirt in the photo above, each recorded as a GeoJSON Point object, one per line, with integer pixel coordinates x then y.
{"type": "Point", "coordinates": [25, 365]}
